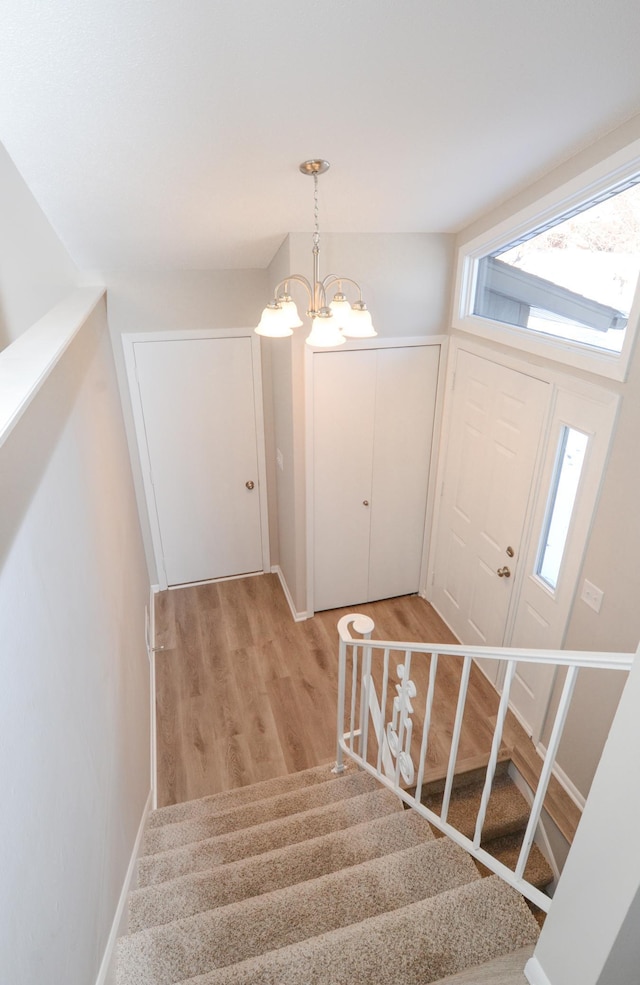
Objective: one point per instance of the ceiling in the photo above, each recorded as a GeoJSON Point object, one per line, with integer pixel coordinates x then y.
{"type": "Point", "coordinates": [166, 134]}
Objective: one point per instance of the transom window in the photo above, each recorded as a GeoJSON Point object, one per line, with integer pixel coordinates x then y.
{"type": "Point", "coordinates": [561, 278]}
{"type": "Point", "coordinates": [575, 279]}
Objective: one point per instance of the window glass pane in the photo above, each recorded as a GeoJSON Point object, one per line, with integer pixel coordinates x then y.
{"type": "Point", "coordinates": [564, 487]}
{"type": "Point", "coordinates": [574, 279]}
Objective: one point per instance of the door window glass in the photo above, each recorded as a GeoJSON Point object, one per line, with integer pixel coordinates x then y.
{"type": "Point", "coordinates": [564, 487]}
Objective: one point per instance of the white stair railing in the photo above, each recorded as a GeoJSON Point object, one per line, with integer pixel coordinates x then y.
{"type": "Point", "coordinates": [392, 727]}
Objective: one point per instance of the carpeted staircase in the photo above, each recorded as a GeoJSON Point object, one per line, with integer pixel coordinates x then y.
{"type": "Point", "coordinates": [310, 878]}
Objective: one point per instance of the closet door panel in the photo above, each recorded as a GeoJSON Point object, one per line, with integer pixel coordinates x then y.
{"type": "Point", "coordinates": [404, 416]}
{"type": "Point", "coordinates": [343, 425]}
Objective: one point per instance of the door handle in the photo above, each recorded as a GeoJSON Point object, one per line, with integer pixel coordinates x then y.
{"type": "Point", "coordinates": [503, 572]}
{"type": "Point", "coordinates": [249, 484]}
{"type": "Point", "coordinates": [365, 502]}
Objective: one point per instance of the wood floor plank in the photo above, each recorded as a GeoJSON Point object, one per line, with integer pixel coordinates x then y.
{"type": "Point", "coordinates": [244, 693]}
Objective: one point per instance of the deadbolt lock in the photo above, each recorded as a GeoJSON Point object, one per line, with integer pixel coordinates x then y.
{"type": "Point", "coordinates": [250, 484]}
{"type": "Point", "coordinates": [509, 552]}
{"type": "Point", "coordinates": [504, 572]}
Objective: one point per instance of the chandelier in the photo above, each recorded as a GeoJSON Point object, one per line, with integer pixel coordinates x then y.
{"type": "Point", "coordinates": [331, 324]}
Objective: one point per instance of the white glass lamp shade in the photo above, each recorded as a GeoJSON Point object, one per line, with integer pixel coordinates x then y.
{"type": "Point", "coordinates": [341, 311]}
{"type": "Point", "coordinates": [325, 333]}
{"type": "Point", "coordinates": [288, 306]}
{"type": "Point", "coordinates": [360, 325]}
{"type": "Point", "coordinates": [275, 323]}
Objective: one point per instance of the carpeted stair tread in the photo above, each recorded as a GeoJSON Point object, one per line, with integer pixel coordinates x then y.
{"type": "Point", "coordinates": [227, 799]}
{"type": "Point", "coordinates": [507, 811]}
{"type": "Point", "coordinates": [229, 934]}
{"type": "Point", "coordinates": [508, 969]}
{"type": "Point", "coordinates": [265, 837]}
{"type": "Point", "coordinates": [414, 945]}
{"type": "Point", "coordinates": [248, 877]}
{"type": "Point", "coordinates": [179, 833]}
{"type": "Point", "coordinates": [507, 850]}
{"type": "Point", "coordinates": [469, 772]}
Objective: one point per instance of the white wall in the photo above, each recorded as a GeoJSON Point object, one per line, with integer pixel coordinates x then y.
{"type": "Point", "coordinates": [36, 271]}
{"type": "Point", "coordinates": [74, 701]}
{"type": "Point", "coordinates": [611, 560]}
{"type": "Point", "coordinates": [591, 933]}
{"type": "Point", "coordinates": [175, 301]}
{"type": "Point", "coordinates": [405, 277]}
{"type": "Point", "coordinates": [405, 280]}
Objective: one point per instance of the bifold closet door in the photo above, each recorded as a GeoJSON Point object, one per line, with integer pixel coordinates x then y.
{"type": "Point", "coordinates": [373, 430]}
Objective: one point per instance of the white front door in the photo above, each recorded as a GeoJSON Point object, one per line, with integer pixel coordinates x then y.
{"type": "Point", "coordinates": [198, 424]}
{"type": "Point", "coordinates": [490, 450]}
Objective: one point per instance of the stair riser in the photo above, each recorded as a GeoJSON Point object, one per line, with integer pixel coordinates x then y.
{"type": "Point", "coordinates": [185, 832]}
{"type": "Point", "coordinates": [229, 799]}
{"type": "Point", "coordinates": [414, 945]}
{"type": "Point", "coordinates": [276, 834]}
{"type": "Point", "coordinates": [275, 870]}
{"type": "Point", "coordinates": [243, 930]}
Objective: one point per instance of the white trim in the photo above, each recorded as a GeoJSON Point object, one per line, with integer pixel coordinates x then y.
{"type": "Point", "coordinates": [29, 360]}
{"type": "Point", "coordinates": [298, 616]}
{"type": "Point", "coordinates": [432, 486]}
{"type": "Point", "coordinates": [214, 581]}
{"type": "Point", "coordinates": [309, 450]}
{"type": "Point", "coordinates": [381, 343]}
{"type": "Point", "coordinates": [534, 974]}
{"type": "Point", "coordinates": [129, 341]}
{"type": "Point", "coordinates": [151, 651]}
{"type": "Point", "coordinates": [565, 782]}
{"type": "Point", "coordinates": [107, 972]}
{"type": "Point", "coordinates": [540, 837]}
{"type": "Point", "coordinates": [613, 170]}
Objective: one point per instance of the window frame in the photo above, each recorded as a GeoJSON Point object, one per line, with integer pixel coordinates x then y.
{"type": "Point", "coordinates": [613, 171]}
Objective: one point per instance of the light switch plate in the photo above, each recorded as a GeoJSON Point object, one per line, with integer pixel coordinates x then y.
{"type": "Point", "coordinates": [592, 596]}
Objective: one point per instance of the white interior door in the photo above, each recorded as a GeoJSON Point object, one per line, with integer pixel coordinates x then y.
{"type": "Point", "coordinates": [372, 435]}
{"type": "Point", "coordinates": [490, 449]}
{"type": "Point", "coordinates": [343, 430]}
{"type": "Point", "coordinates": [406, 384]}
{"type": "Point", "coordinates": [200, 442]}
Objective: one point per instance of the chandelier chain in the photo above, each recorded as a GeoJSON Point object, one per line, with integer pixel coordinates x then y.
{"type": "Point", "coordinates": [316, 211]}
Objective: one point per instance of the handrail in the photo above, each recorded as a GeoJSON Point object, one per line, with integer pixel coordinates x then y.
{"type": "Point", "coordinates": [393, 758]}
{"type": "Point", "coordinates": [560, 658]}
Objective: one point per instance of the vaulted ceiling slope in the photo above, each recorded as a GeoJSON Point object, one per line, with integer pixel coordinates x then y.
{"type": "Point", "coordinates": [162, 134]}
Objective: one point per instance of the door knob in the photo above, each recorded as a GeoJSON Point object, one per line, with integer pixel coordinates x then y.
{"type": "Point", "coordinates": [503, 572]}
{"type": "Point", "coordinates": [365, 502]}
{"type": "Point", "coordinates": [249, 484]}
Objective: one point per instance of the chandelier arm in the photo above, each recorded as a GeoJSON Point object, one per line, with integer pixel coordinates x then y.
{"type": "Point", "coordinates": [334, 279]}
{"type": "Point", "coordinates": [299, 279]}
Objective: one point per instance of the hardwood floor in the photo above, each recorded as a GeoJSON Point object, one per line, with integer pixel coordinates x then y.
{"type": "Point", "coordinates": [244, 693]}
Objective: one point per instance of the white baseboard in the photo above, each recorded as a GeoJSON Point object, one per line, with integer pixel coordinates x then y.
{"type": "Point", "coordinates": [152, 697]}
{"type": "Point", "coordinates": [298, 616]}
{"type": "Point", "coordinates": [540, 838]}
{"type": "Point", "coordinates": [534, 973]}
{"type": "Point", "coordinates": [564, 781]}
{"type": "Point", "coordinates": [107, 972]}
